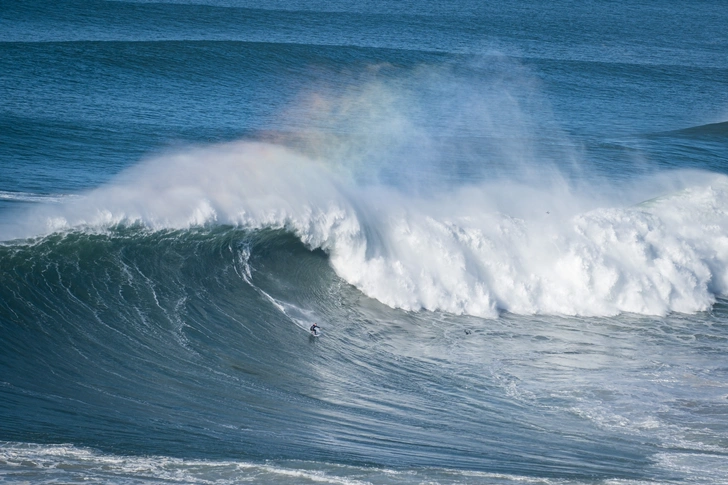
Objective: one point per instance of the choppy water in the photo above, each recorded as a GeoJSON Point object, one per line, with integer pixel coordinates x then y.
{"type": "Point", "coordinates": [511, 223]}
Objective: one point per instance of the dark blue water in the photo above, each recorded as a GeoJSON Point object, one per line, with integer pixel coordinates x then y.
{"type": "Point", "coordinates": [510, 221]}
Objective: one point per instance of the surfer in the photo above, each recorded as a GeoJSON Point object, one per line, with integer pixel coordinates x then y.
{"type": "Point", "coordinates": [314, 329]}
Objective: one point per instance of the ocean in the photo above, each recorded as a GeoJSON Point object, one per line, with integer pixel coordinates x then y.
{"type": "Point", "coordinates": [510, 220]}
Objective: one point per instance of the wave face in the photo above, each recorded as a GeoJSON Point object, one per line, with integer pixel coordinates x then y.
{"type": "Point", "coordinates": [189, 347]}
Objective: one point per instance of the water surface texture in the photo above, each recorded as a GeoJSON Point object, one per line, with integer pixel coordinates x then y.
{"type": "Point", "coordinates": [510, 221]}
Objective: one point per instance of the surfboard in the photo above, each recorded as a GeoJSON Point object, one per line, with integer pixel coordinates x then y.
{"type": "Point", "coordinates": [315, 333]}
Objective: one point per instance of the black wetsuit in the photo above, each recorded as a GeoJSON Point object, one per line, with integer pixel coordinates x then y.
{"type": "Point", "coordinates": [314, 328]}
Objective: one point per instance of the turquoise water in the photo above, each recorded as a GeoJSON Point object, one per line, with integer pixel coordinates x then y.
{"type": "Point", "coordinates": [510, 222]}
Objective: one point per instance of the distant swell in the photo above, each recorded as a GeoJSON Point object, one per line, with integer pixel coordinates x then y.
{"type": "Point", "coordinates": [712, 129]}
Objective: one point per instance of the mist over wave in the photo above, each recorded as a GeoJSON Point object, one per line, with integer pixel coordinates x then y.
{"type": "Point", "coordinates": [519, 231]}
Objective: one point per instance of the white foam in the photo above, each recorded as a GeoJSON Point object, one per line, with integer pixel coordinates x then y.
{"type": "Point", "coordinates": [670, 256]}
{"type": "Point", "coordinates": [69, 463]}
{"type": "Point", "coordinates": [36, 463]}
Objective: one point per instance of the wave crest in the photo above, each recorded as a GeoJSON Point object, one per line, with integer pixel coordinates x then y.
{"type": "Point", "coordinates": [478, 250]}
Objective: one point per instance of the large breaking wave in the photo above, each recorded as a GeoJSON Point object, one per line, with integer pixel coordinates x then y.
{"type": "Point", "coordinates": [480, 248]}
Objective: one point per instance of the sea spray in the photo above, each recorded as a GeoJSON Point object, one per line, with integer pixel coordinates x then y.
{"type": "Point", "coordinates": [431, 127]}
{"type": "Point", "coordinates": [518, 228]}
